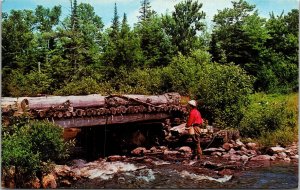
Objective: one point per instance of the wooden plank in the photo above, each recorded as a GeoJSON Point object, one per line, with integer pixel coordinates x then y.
{"type": "Point", "coordinates": [103, 120]}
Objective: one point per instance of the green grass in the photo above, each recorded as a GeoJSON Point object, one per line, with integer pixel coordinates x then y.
{"type": "Point", "coordinates": [271, 119]}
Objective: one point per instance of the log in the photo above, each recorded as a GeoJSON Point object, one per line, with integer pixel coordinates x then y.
{"type": "Point", "coordinates": [47, 102]}
{"type": "Point", "coordinates": [167, 98]}
{"type": "Point", "coordinates": [68, 114]}
{"type": "Point", "coordinates": [10, 103]}
{"type": "Point", "coordinates": [94, 100]}
{"type": "Point", "coordinates": [123, 109]}
{"type": "Point", "coordinates": [86, 109]}
{"type": "Point", "coordinates": [102, 111]}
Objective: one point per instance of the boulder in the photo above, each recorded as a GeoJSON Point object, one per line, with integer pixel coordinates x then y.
{"type": "Point", "coordinates": [185, 162]}
{"type": "Point", "coordinates": [179, 130]}
{"type": "Point", "coordinates": [282, 155]}
{"type": "Point", "coordinates": [227, 146]}
{"type": "Point", "coordinates": [244, 158]}
{"type": "Point", "coordinates": [235, 157]}
{"type": "Point", "coordinates": [225, 172]}
{"type": "Point", "coordinates": [289, 152]}
{"type": "Point", "coordinates": [49, 181]}
{"type": "Point", "coordinates": [211, 165]}
{"type": "Point", "coordinates": [251, 146]}
{"type": "Point", "coordinates": [65, 183]}
{"type": "Point", "coordinates": [273, 158]}
{"type": "Point", "coordinates": [252, 152]}
{"type": "Point", "coordinates": [153, 149]}
{"type": "Point", "coordinates": [115, 158]}
{"type": "Point", "coordinates": [226, 156]}
{"type": "Point", "coordinates": [239, 143]}
{"type": "Point", "coordinates": [78, 162]}
{"type": "Point", "coordinates": [33, 184]}
{"type": "Point", "coordinates": [139, 151]}
{"type": "Point", "coordinates": [170, 152]}
{"type": "Point", "coordinates": [185, 149]}
{"type": "Point", "coordinates": [216, 154]}
{"type": "Point", "coordinates": [148, 160]}
{"type": "Point", "coordinates": [211, 150]}
{"type": "Point", "coordinates": [287, 159]}
{"type": "Point", "coordinates": [163, 148]}
{"type": "Point", "coordinates": [62, 170]}
{"type": "Point", "coordinates": [244, 149]}
{"type": "Point", "coordinates": [121, 180]}
{"type": "Point", "coordinates": [239, 152]}
{"type": "Point", "coordinates": [276, 149]}
{"type": "Point", "coordinates": [261, 158]}
{"type": "Point", "coordinates": [295, 157]}
{"type": "Point", "coordinates": [232, 151]}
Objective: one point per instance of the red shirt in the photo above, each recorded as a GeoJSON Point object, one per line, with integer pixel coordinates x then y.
{"type": "Point", "coordinates": [194, 118]}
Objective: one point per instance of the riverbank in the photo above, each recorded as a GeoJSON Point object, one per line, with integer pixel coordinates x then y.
{"type": "Point", "coordinates": [145, 168]}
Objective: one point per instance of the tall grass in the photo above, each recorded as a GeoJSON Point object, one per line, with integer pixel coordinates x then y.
{"type": "Point", "coordinates": [272, 119]}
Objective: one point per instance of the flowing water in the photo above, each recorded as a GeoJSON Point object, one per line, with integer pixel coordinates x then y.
{"type": "Point", "coordinates": [172, 174]}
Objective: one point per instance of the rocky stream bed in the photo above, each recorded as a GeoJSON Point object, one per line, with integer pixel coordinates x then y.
{"type": "Point", "coordinates": [161, 167]}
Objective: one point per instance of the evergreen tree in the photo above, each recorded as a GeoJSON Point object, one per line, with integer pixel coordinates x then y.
{"type": "Point", "coordinates": [115, 24]}
{"type": "Point", "coordinates": [145, 11]}
{"type": "Point", "coordinates": [185, 23]}
{"type": "Point", "coordinates": [156, 44]}
{"type": "Point", "coordinates": [74, 16]}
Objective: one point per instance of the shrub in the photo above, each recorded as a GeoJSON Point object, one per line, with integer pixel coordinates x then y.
{"type": "Point", "coordinates": [183, 74]}
{"type": "Point", "coordinates": [27, 147]}
{"type": "Point", "coordinates": [84, 86]}
{"type": "Point", "coordinates": [17, 150]}
{"type": "Point", "coordinates": [27, 85]}
{"type": "Point", "coordinates": [270, 116]}
{"type": "Point", "coordinates": [223, 91]}
{"type": "Point", "coordinates": [283, 137]}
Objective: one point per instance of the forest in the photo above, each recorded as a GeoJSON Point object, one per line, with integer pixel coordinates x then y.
{"type": "Point", "coordinates": [243, 57]}
{"type": "Point", "coordinates": [44, 53]}
{"type": "Point", "coordinates": [243, 72]}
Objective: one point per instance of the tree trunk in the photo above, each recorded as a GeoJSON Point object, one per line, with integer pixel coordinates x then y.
{"type": "Point", "coordinates": [95, 100]}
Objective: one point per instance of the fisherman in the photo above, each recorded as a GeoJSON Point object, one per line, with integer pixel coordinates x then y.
{"type": "Point", "coordinates": [193, 125]}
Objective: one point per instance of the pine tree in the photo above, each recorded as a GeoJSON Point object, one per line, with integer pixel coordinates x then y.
{"type": "Point", "coordinates": [115, 24]}
{"type": "Point", "coordinates": [145, 10]}
{"type": "Point", "coordinates": [74, 16]}
{"type": "Point", "coordinates": [124, 27]}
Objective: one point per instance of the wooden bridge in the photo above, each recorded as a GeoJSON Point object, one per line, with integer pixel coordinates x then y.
{"type": "Point", "coordinates": [94, 110]}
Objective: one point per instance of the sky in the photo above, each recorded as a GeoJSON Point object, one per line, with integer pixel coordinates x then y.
{"type": "Point", "coordinates": [105, 8]}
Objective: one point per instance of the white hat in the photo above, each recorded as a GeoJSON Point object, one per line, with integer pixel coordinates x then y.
{"type": "Point", "coordinates": [193, 103]}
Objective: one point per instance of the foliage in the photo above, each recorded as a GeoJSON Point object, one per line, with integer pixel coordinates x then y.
{"type": "Point", "coordinates": [268, 114]}
{"type": "Point", "coordinates": [266, 49]}
{"type": "Point", "coordinates": [145, 10]}
{"type": "Point", "coordinates": [155, 43]}
{"type": "Point", "coordinates": [27, 146]}
{"type": "Point", "coordinates": [29, 85]}
{"type": "Point", "coordinates": [122, 48]}
{"type": "Point", "coordinates": [237, 34]}
{"type": "Point", "coordinates": [84, 86]}
{"type": "Point", "coordinates": [184, 24]}
{"type": "Point", "coordinates": [223, 91]}
{"type": "Point", "coordinates": [160, 54]}
{"type": "Point", "coordinates": [282, 137]}
{"type": "Point", "coordinates": [141, 81]}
